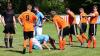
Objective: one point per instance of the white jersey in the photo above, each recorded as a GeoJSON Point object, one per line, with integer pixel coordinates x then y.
{"type": "Point", "coordinates": [36, 43]}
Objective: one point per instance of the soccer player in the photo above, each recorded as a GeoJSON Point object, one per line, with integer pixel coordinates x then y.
{"type": "Point", "coordinates": [9, 23]}
{"type": "Point", "coordinates": [27, 19]}
{"type": "Point", "coordinates": [73, 26]}
{"type": "Point", "coordinates": [93, 27]}
{"type": "Point", "coordinates": [44, 39]}
{"type": "Point", "coordinates": [40, 20]}
{"type": "Point", "coordinates": [83, 24]}
{"type": "Point", "coordinates": [36, 44]}
{"type": "Point", "coordinates": [62, 28]}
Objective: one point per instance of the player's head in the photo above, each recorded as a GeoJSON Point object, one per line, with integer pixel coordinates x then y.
{"type": "Point", "coordinates": [95, 8]}
{"type": "Point", "coordinates": [81, 10]}
{"type": "Point", "coordinates": [52, 42]}
{"type": "Point", "coordinates": [68, 10]}
{"type": "Point", "coordinates": [29, 7]}
{"type": "Point", "coordinates": [36, 8]}
{"type": "Point", "coordinates": [53, 13]}
{"type": "Point", "coordinates": [9, 6]}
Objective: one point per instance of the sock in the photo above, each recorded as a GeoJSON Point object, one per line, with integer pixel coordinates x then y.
{"type": "Point", "coordinates": [60, 44]}
{"type": "Point", "coordinates": [89, 43]}
{"type": "Point", "coordinates": [6, 42]}
{"type": "Point", "coordinates": [30, 45]}
{"type": "Point", "coordinates": [10, 42]}
{"type": "Point", "coordinates": [70, 39]}
{"type": "Point", "coordinates": [64, 43]}
{"type": "Point", "coordinates": [79, 39]}
{"type": "Point", "coordinates": [25, 43]}
{"type": "Point", "coordinates": [94, 42]}
{"type": "Point", "coordinates": [84, 37]}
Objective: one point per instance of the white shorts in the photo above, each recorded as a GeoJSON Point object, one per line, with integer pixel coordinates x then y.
{"type": "Point", "coordinates": [36, 43]}
{"type": "Point", "coordinates": [38, 30]}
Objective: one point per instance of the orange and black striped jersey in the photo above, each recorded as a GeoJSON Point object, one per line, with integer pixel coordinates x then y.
{"type": "Point", "coordinates": [93, 20]}
{"type": "Point", "coordinates": [83, 19]}
{"type": "Point", "coordinates": [28, 18]}
{"type": "Point", "coordinates": [60, 22]}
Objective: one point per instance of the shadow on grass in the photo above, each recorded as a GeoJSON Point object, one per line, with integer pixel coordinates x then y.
{"type": "Point", "coordinates": [79, 46]}
{"type": "Point", "coordinates": [16, 51]}
{"type": "Point", "coordinates": [2, 46]}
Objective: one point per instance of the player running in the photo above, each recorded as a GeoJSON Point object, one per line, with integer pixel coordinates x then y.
{"type": "Point", "coordinates": [62, 29]}
{"type": "Point", "coordinates": [83, 24]}
{"type": "Point", "coordinates": [73, 26]}
{"type": "Point", "coordinates": [40, 20]}
{"type": "Point", "coordinates": [93, 27]}
{"type": "Point", "coordinates": [26, 20]}
{"type": "Point", "coordinates": [9, 23]}
{"type": "Point", "coordinates": [44, 39]}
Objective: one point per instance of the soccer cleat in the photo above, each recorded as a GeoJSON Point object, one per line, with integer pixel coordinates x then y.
{"type": "Point", "coordinates": [24, 50]}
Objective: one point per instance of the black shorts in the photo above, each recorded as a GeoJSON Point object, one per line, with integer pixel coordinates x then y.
{"type": "Point", "coordinates": [83, 28]}
{"type": "Point", "coordinates": [73, 29]}
{"type": "Point", "coordinates": [28, 35]}
{"type": "Point", "coordinates": [9, 28]}
{"type": "Point", "coordinates": [64, 32]}
{"type": "Point", "coordinates": [92, 29]}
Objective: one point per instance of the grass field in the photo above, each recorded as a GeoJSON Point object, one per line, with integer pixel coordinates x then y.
{"type": "Point", "coordinates": [48, 29]}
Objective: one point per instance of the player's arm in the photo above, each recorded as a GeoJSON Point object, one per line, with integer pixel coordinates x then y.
{"type": "Point", "coordinates": [2, 21]}
{"type": "Point", "coordinates": [19, 20]}
{"type": "Point", "coordinates": [43, 17]}
{"type": "Point", "coordinates": [58, 30]}
{"type": "Point", "coordinates": [14, 20]}
{"type": "Point", "coordinates": [45, 44]}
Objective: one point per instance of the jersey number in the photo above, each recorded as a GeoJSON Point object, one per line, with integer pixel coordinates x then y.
{"type": "Point", "coordinates": [27, 17]}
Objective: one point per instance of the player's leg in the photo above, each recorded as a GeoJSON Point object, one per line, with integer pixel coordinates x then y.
{"type": "Point", "coordinates": [30, 34]}
{"type": "Point", "coordinates": [65, 32]}
{"type": "Point", "coordinates": [91, 30]}
{"type": "Point", "coordinates": [70, 39]}
{"type": "Point", "coordinates": [11, 40]}
{"type": "Point", "coordinates": [25, 42]}
{"type": "Point", "coordinates": [6, 40]}
{"type": "Point", "coordinates": [76, 33]}
{"type": "Point", "coordinates": [60, 42]}
{"type": "Point", "coordinates": [83, 30]}
{"type": "Point", "coordinates": [39, 30]}
{"type": "Point", "coordinates": [70, 35]}
{"type": "Point", "coordinates": [93, 37]}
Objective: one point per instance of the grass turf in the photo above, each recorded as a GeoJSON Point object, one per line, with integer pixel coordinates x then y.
{"type": "Point", "coordinates": [48, 28]}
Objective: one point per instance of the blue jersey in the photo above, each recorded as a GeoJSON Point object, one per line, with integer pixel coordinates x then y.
{"type": "Point", "coordinates": [42, 38]}
{"type": "Point", "coordinates": [40, 17]}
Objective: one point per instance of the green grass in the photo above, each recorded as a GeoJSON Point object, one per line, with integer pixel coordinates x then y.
{"type": "Point", "coordinates": [48, 28]}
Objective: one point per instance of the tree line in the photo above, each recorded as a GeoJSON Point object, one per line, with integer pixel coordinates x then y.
{"type": "Point", "coordinates": [47, 5]}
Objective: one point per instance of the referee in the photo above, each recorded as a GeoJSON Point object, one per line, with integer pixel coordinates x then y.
{"type": "Point", "coordinates": [9, 23]}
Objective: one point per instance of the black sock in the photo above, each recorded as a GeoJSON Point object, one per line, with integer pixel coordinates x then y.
{"type": "Point", "coordinates": [10, 42]}
{"type": "Point", "coordinates": [6, 42]}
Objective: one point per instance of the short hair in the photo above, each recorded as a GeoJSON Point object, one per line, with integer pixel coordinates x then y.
{"type": "Point", "coordinates": [37, 7]}
{"type": "Point", "coordinates": [29, 6]}
{"type": "Point", "coordinates": [81, 8]}
{"type": "Point", "coordinates": [67, 9]}
{"type": "Point", "coordinates": [95, 6]}
{"type": "Point", "coordinates": [53, 12]}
